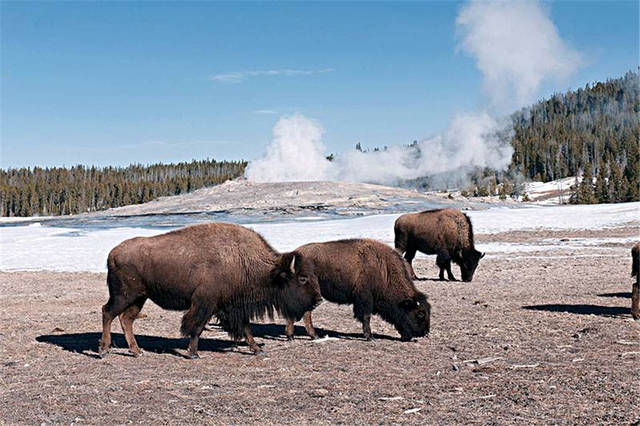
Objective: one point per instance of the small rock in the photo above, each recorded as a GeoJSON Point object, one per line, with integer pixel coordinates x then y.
{"type": "Point", "coordinates": [319, 393]}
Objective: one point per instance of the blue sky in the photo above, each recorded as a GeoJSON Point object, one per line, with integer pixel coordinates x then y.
{"type": "Point", "coordinates": [119, 83]}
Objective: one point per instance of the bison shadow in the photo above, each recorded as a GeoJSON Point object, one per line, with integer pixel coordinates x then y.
{"type": "Point", "coordinates": [87, 343]}
{"type": "Point", "coordinates": [274, 331]}
{"type": "Point", "coordinates": [605, 311]}
{"type": "Point", "coordinates": [625, 295]}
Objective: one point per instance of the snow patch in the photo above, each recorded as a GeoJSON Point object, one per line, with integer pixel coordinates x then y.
{"type": "Point", "coordinates": [41, 247]}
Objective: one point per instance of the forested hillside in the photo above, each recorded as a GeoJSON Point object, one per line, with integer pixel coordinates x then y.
{"type": "Point", "coordinates": [594, 131]}
{"type": "Point", "coordinates": [55, 191]}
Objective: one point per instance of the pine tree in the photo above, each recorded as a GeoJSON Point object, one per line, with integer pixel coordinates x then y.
{"type": "Point", "coordinates": [616, 193]}
{"type": "Point", "coordinates": [585, 190]}
{"type": "Point", "coordinates": [602, 188]}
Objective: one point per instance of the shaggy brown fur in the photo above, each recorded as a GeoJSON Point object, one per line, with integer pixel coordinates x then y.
{"type": "Point", "coordinates": [371, 276]}
{"type": "Point", "coordinates": [635, 289]}
{"type": "Point", "coordinates": [446, 233]}
{"type": "Point", "coordinates": [211, 269]}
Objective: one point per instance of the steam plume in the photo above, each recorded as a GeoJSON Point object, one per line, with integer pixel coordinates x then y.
{"type": "Point", "coordinates": [516, 47]}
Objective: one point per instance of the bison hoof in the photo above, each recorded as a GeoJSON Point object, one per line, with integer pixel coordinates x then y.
{"type": "Point", "coordinates": [193, 356]}
{"type": "Point", "coordinates": [103, 350]}
{"type": "Point", "coordinates": [257, 350]}
{"type": "Point", "coordinates": [289, 338]}
{"type": "Point", "coordinates": [137, 353]}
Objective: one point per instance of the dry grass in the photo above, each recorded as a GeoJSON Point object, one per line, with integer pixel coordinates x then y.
{"type": "Point", "coordinates": [552, 334]}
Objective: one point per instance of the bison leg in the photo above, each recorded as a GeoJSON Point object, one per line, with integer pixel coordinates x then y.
{"type": "Point", "coordinates": [443, 260]}
{"type": "Point", "coordinates": [409, 255]}
{"type": "Point", "coordinates": [362, 309]}
{"type": "Point", "coordinates": [289, 329]}
{"type": "Point", "coordinates": [193, 323]}
{"type": "Point", "coordinates": [449, 273]}
{"type": "Point", "coordinates": [126, 321]}
{"type": "Point", "coordinates": [366, 326]}
{"type": "Point", "coordinates": [114, 307]}
{"type": "Point", "coordinates": [635, 301]}
{"type": "Point", "coordinates": [308, 325]}
{"type": "Point", "coordinates": [250, 340]}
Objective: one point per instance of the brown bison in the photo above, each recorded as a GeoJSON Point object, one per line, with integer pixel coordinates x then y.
{"type": "Point", "coordinates": [211, 269]}
{"type": "Point", "coordinates": [635, 289]}
{"type": "Point", "coordinates": [369, 275]}
{"type": "Point", "coordinates": [446, 233]}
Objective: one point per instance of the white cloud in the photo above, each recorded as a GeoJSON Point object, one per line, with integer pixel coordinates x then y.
{"type": "Point", "coordinates": [239, 76]}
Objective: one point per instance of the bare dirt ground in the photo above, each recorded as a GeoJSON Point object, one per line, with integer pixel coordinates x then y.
{"type": "Point", "coordinates": [538, 337]}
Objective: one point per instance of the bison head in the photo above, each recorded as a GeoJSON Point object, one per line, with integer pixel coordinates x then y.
{"type": "Point", "coordinates": [469, 263]}
{"type": "Point", "coordinates": [415, 318]}
{"type": "Point", "coordinates": [298, 284]}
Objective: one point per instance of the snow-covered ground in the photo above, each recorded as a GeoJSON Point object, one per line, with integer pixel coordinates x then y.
{"type": "Point", "coordinates": [39, 247]}
{"type": "Point", "coordinates": [550, 193]}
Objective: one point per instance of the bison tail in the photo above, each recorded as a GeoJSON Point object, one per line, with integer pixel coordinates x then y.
{"type": "Point", "coordinates": [400, 241]}
{"type": "Point", "coordinates": [113, 282]}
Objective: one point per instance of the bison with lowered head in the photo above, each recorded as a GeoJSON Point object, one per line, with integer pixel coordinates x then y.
{"type": "Point", "coordinates": [369, 275]}
{"type": "Point", "coordinates": [635, 289]}
{"type": "Point", "coordinates": [211, 269]}
{"type": "Point", "coordinates": [446, 233]}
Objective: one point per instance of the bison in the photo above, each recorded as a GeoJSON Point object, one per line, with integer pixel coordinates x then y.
{"type": "Point", "coordinates": [635, 289]}
{"type": "Point", "coordinates": [211, 269]}
{"type": "Point", "coordinates": [369, 275]}
{"type": "Point", "coordinates": [446, 233]}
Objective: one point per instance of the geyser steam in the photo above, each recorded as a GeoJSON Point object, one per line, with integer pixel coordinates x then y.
{"type": "Point", "coordinates": [516, 47]}
{"type": "Point", "coordinates": [295, 154]}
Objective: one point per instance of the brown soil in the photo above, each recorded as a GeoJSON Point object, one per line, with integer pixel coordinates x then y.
{"type": "Point", "coordinates": [551, 338]}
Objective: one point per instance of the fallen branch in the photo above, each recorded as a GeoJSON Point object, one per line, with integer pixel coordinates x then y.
{"type": "Point", "coordinates": [516, 366]}
{"type": "Point", "coordinates": [482, 361]}
{"type": "Point", "coordinates": [627, 342]}
{"type": "Point", "coordinates": [325, 339]}
{"type": "Point", "coordinates": [390, 398]}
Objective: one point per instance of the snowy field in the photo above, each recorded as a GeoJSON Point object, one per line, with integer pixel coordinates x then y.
{"type": "Point", "coordinates": [35, 246]}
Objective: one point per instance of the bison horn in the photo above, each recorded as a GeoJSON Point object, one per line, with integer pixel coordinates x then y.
{"type": "Point", "coordinates": [293, 264]}
{"type": "Point", "coordinates": [482, 255]}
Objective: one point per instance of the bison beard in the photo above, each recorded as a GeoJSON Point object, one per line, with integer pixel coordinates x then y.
{"type": "Point", "coordinates": [212, 269]}
{"type": "Point", "coordinates": [447, 233]}
{"type": "Point", "coordinates": [369, 275]}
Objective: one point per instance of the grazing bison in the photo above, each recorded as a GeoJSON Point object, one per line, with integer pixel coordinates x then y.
{"type": "Point", "coordinates": [211, 269]}
{"type": "Point", "coordinates": [446, 233]}
{"type": "Point", "coordinates": [371, 276]}
{"type": "Point", "coordinates": [635, 289]}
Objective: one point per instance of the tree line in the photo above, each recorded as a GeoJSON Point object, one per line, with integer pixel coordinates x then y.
{"type": "Point", "coordinates": [592, 132]}
{"type": "Point", "coordinates": [60, 190]}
